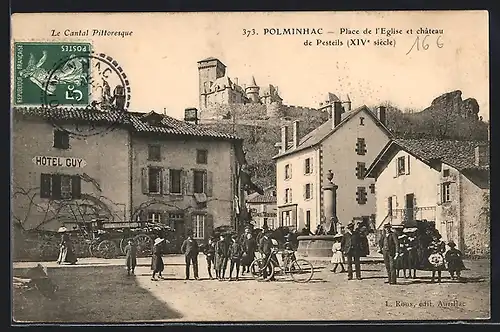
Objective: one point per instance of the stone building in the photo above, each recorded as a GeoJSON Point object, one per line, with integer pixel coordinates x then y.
{"type": "Point", "coordinates": [263, 208]}
{"type": "Point", "coordinates": [346, 145]}
{"type": "Point", "coordinates": [146, 167]}
{"type": "Point", "coordinates": [442, 181]}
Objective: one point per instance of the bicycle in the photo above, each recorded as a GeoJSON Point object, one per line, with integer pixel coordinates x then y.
{"type": "Point", "coordinates": [300, 270]}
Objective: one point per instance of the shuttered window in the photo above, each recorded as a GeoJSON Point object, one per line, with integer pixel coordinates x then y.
{"type": "Point", "coordinates": [360, 170]}
{"type": "Point", "coordinates": [60, 186]}
{"type": "Point", "coordinates": [154, 152]}
{"type": "Point", "coordinates": [61, 139]}
{"type": "Point", "coordinates": [361, 146]}
{"type": "Point", "coordinates": [361, 195]}
{"type": "Point", "coordinates": [175, 181]}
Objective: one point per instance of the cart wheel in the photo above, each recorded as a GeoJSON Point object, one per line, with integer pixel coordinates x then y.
{"type": "Point", "coordinates": [144, 245]}
{"type": "Point", "coordinates": [93, 249]}
{"type": "Point", "coordinates": [123, 243]}
{"type": "Point", "coordinates": [107, 249]}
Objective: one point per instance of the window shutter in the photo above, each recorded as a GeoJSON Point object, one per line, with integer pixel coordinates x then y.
{"type": "Point", "coordinates": [408, 164]}
{"type": "Point", "coordinates": [184, 176]}
{"type": "Point", "coordinates": [311, 169]}
{"type": "Point", "coordinates": [290, 171]}
{"type": "Point", "coordinates": [311, 188]}
{"type": "Point", "coordinates": [395, 167]}
{"type": "Point", "coordinates": [209, 183]}
{"type": "Point", "coordinates": [166, 181]}
{"type": "Point", "coordinates": [144, 180]}
{"type": "Point", "coordinates": [76, 187]}
{"type": "Point", "coordinates": [293, 218]}
{"type": "Point", "coordinates": [209, 225]}
{"type": "Point", "coordinates": [45, 181]}
{"type": "Point", "coordinates": [305, 191]}
{"type": "Point", "coordinates": [439, 194]}
{"type": "Point", "coordinates": [189, 182]}
{"type": "Point", "coordinates": [290, 195]}
{"type": "Point", "coordinates": [56, 186]}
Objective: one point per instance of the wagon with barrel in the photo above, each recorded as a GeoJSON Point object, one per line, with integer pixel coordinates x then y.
{"type": "Point", "coordinates": [105, 240]}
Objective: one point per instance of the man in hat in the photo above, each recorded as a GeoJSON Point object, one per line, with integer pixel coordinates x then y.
{"type": "Point", "coordinates": [235, 253]}
{"type": "Point", "coordinates": [190, 250]}
{"type": "Point", "coordinates": [454, 261]}
{"type": "Point", "coordinates": [209, 251]}
{"type": "Point", "coordinates": [130, 256]}
{"type": "Point", "coordinates": [351, 247]}
{"type": "Point", "coordinates": [221, 257]}
{"type": "Point", "coordinates": [265, 248]}
{"type": "Point", "coordinates": [389, 247]}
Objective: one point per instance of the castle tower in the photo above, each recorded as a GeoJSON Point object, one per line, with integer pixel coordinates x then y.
{"type": "Point", "coordinates": [252, 91]}
{"type": "Point", "coordinates": [209, 70]}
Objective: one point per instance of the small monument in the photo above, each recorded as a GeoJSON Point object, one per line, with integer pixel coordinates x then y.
{"type": "Point", "coordinates": [321, 245]}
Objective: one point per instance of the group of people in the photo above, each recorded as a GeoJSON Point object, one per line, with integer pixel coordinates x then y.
{"type": "Point", "coordinates": [409, 250]}
{"type": "Point", "coordinates": [348, 248]}
{"type": "Point", "coordinates": [403, 249]}
{"type": "Point", "coordinates": [237, 252]}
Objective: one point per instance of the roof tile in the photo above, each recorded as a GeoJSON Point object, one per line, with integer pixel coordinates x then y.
{"type": "Point", "coordinates": [167, 126]}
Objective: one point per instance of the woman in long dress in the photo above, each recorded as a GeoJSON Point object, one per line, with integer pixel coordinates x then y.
{"type": "Point", "coordinates": [66, 253]}
{"type": "Point", "coordinates": [157, 260]}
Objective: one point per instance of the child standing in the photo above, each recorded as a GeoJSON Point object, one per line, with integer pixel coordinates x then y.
{"type": "Point", "coordinates": [235, 253]}
{"type": "Point", "coordinates": [337, 257]}
{"type": "Point", "coordinates": [454, 261]}
{"type": "Point", "coordinates": [130, 256]}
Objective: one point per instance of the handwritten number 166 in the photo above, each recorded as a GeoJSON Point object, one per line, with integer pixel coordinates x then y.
{"type": "Point", "coordinates": [422, 43]}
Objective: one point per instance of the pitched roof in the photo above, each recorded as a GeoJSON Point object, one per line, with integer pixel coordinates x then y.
{"type": "Point", "coordinates": [262, 199]}
{"type": "Point", "coordinates": [134, 121]}
{"type": "Point", "coordinates": [325, 130]}
{"type": "Point", "coordinates": [458, 154]}
{"type": "Point", "coordinates": [210, 58]}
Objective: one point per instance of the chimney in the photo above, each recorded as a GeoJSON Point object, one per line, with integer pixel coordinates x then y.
{"type": "Point", "coordinates": [482, 155]}
{"type": "Point", "coordinates": [164, 111]}
{"type": "Point", "coordinates": [337, 113]}
{"type": "Point", "coordinates": [381, 115]}
{"type": "Point", "coordinates": [236, 80]}
{"type": "Point", "coordinates": [295, 133]}
{"type": "Point", "coordinates": [191, 115]}
{"type": "Point", "coordinates": [284, 138]}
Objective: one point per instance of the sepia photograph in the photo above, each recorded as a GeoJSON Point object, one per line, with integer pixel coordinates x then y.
{"type": "Point", "coordinates": [250, 166]}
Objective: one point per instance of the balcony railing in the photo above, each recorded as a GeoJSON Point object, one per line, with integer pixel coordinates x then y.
{"type": "Point", "coordinates": [410, 215]}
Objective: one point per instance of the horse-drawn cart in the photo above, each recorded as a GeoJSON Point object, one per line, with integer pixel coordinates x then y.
{"type": "Point", "coordinates": [108, 241]}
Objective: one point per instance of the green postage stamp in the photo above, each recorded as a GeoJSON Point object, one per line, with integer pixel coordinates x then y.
{"type": "Point", "coordinates": [59, 70]}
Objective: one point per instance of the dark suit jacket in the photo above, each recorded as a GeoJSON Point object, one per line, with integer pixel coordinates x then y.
{"type": "Point", "coordinates": [190, 248]}
{"type": "Point", "coordinates": [265, 245]}
{"type": "Point", "coordinates": [351, 244]}
{"type": "Point", "coordinates": [389, 243]}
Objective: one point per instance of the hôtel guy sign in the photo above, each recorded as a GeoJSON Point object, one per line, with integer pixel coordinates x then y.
{"type": "Point", "coordinates": [59, 161]}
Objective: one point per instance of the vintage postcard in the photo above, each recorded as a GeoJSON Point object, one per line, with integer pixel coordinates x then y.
{"type": "Point", "coordinates": [263, 166]}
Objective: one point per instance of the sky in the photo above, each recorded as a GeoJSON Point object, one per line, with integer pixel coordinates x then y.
{"type": "Point", "coordinates": [160, 57]}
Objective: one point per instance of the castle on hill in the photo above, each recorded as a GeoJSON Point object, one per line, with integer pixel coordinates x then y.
{"type": "Point", "coordinates": [223, 98]}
